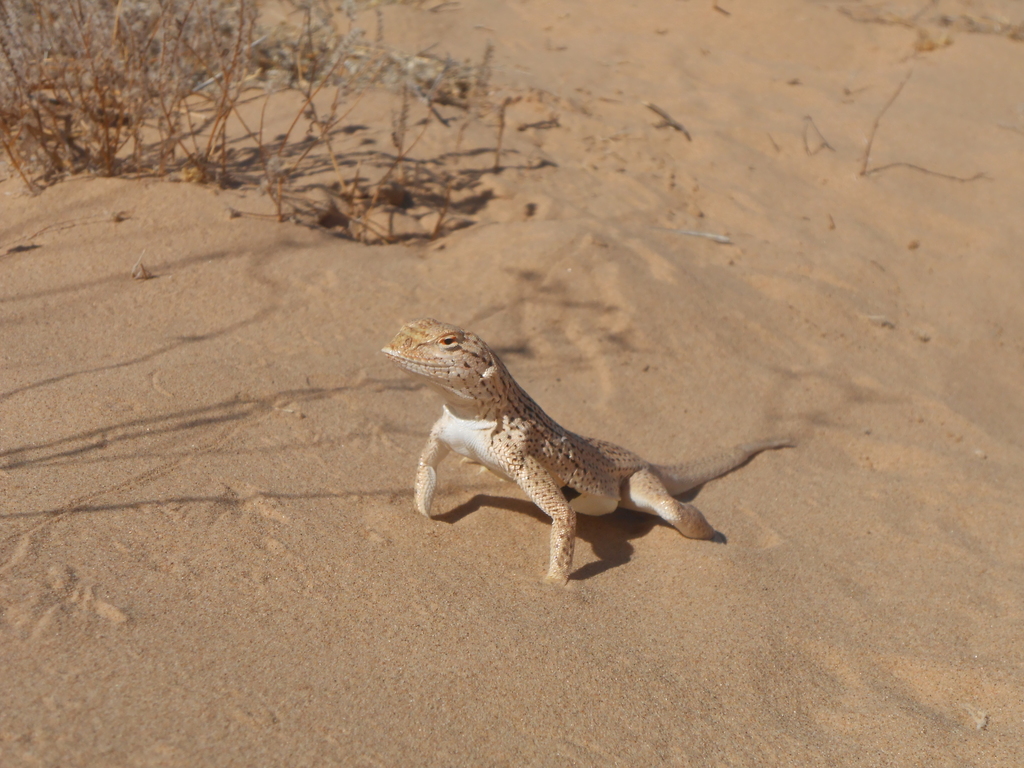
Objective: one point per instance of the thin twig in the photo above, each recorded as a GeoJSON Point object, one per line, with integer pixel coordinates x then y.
{"type": "Point", "coordinates": [367, 226]}
{"type": "Point", "coordinates": [822, 141]}
{"type": "Point", "coordinates": [931, 4]}
{"type": "Point", "coordinates": [117, 20]}
{"type": "Point", "coordinates": [670, 121]}
{"type": "Point", "coordinates": [61, 225]}
{"type": "Point", "coordinates": [444, 210]}
{"type": "Point", "coordinates": [326, 135]}
{"type": "Point", "coordinates": [878, 119]}
{"type": "Point", "coordinates": [501, 132]}
{"type": "Point", "coordinates": [139, 271]}
{"type": "Point", "coordinates": [9, 150]}
{"type": "Point", "coordinates": [864, 171]}
{"type": "Point", "coordinates": [975, 177]}
{"type": "Point", "coordinates": [694, 233]}
{"type": "Point", "coordinates": [210, 81]}
{"type": "Point", "coordinates": [235, 213]}
{"type": "Point", "coordinates": [222, 109]}
{"type": "Point", "coordinates": [401, 156]}
{"type": "Point", "coordinates": [428, 97]}
{"type": "Point", "coordinates": [355, 185]}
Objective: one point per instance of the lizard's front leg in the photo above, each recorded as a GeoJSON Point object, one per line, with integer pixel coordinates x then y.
{"type": "Point", "coordinates": [426, 472]}
{"type": "Point", "coordinates": [543, 491]}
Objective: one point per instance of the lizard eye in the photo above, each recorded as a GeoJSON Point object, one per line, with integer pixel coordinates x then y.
{"type": "Point", "coordinates": [448, 340]}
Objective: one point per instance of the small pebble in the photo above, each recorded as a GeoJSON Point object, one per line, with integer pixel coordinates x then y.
{"type": "Point", "coordinates": [881, 320]}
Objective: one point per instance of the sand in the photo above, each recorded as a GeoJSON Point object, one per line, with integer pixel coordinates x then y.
{"type": "Point", "coordinates": [208, 550]}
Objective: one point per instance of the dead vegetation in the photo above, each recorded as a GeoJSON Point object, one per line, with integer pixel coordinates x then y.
{"type": "Point", "coordinates": [933, 28]}
{"type": "Point", "coordinates": [181, 88]}
{"type": "Point", "coordinates": [107, 88]}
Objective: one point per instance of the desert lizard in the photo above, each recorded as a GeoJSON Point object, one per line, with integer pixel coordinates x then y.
{"type": "Point", "coordinates": [488, 418]}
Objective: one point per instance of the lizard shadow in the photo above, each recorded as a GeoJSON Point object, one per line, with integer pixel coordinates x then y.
{"type": "Point", "coordinates": [608, 535]}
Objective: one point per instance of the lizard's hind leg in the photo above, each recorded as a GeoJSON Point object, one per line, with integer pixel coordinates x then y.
{"type": "Point", "coordinates": [644, 492]}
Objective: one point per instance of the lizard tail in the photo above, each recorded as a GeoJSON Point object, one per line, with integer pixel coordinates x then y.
{"type": "Point", "coordinates": [680, 478]}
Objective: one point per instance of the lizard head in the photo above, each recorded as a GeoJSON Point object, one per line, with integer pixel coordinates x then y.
{"type": "Point", "coordinates": [455, 362]}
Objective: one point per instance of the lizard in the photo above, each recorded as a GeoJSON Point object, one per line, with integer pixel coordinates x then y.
{"type": "Point", "coordinates": [491, 420]}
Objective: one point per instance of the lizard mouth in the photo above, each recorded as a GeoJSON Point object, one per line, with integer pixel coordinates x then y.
{"type": "Point", "coordinates": [407, 362]}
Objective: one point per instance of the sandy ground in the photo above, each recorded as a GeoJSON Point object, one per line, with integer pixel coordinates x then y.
{"type": "Point", "coordinates": [208, 551]}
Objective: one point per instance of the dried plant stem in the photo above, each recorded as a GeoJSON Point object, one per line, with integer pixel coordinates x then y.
{"type": "Point", "coordinates": [865, 171]}
{"type": "Point", "coordinates": [402, 155]}
{"type": "Point", "coordinates": [724, 239]}
{"type": "Point", "coordinates": [12, 155]}
{"type": "Point", "coordinates": [668, 120]}
{"type": "Point", "coordinates": [269, 174]}
{"type": "Point", "coordinates": [878, 119]}
{"type": "Point", "coordinates": [326, 134]}
{"type": "Point", "coordinates": [224, 108]}
{"type": "Point", "coordinates": [59, 226]}
{"type": "Point", "coordinates": [111, 88]}
{"type": "Point", "coordinates": [911, 166]}
{"type": "Point", "coordinates": [444, 210]}
{"type": "Point", "coordinates": [822, 141]}
{"type": "Point", "coordinates": [501, 131]}
{"type": "Point", "coordinates": [355, 184]}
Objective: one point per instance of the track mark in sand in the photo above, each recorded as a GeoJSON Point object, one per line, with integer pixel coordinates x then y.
{"type": "Point", "coordinates": [588, 752]}
{"type": "Point", "coordinates": [158, 388]}
{"type": "Point", "coordinates": [978, 716]}
{"type": "Point", "coordinates": [377, 538]}
{"type": "Point", "coordinates": [268, 508]}
{"type": "Point", "coordinates": [661, 268]}
{"type": "Point", "coordinates": [33, 606]}
{"type": "Point", "coordinates": [42, 624]}
{"type": "Point", "coordinates": [379, 440]}
{"type": "Point", "coordinates": [162, 753]}
{"type": "Point", "coordinates": [248, 711]}
{"type": "Point", "coordinates": [262, 503]}
{"type": "Point", "coordinates": [764, 536]}
{"type": "Point", "coordinates": [609, 328]}
{"type": "Point", "coordinates": [291, 561]}
{"type": "Point", "coordinates": [85, 598]}
{"type": "Point", "coordinates": [583, 338]}
{"type": "Point", "coordinates": [24, 540]}
{"type": "Point", "coordinates": [18, 553]}
{"type": "Point", "coordinates": [259, 518]}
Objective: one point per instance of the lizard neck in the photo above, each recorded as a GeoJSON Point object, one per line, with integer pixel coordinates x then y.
{"type": "Point", "coordinates": [492, 396]}
{"type": "Point", "coordinates": [471, 410]}
{"type": "Point", "coordinates": [482, 397]}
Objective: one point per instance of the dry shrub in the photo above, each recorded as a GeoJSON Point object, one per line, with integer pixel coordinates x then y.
{"type": "Point", "coordinates": [331, 70]}
{"type": "Point", "coordinates": [99, 86]}
{"type": "Point", "coordinates": [116, 87]}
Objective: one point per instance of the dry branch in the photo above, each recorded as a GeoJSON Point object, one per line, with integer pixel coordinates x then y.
{"type": "Point", "coordinates": [911, 166]}
{"type": "Point", "coordinates": [669, 121]}
{"type": "Point", "coordinates": [878, 119]}
{"type": "Point", "coordinates": [865, 171]}
{"type": "Point", "coordinates": [822, 141]}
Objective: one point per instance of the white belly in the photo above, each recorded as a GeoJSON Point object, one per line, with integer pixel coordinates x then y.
{"type": "Point", "coordinates": [470, 438]}
{"type": "Point", "coordinates": [594, 506]}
